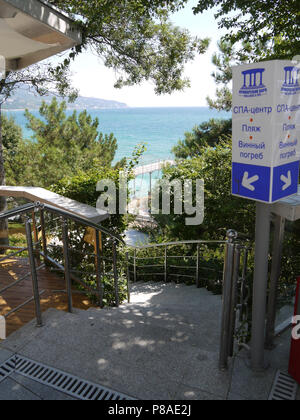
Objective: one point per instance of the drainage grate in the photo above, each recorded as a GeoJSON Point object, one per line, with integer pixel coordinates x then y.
{"type": "Point", "coordinates": [284, 388]}
{"type": "Point", "coordinates": [59, 380]}
{"type": "Point", "coordinates": [6, 369]}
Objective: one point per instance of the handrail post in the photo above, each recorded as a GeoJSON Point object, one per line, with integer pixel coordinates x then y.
{"type": "Point", "coordinates": [128, 277]}
{"type": "Point", "coordinates": [98, 268]}
{"type": "Point", "coordinates": [67, 263]}
{"type": "Point", "coordinates": [275, 275]}
{"type": "Point", "coordinates": [35, 285]}
{"type": "Point", "coordinates": [36, 237]}
{"type": "Point", "coordinates": [116, 278]}
{"type": "Point", "coordinates": [234, 298]}
{"type": "Point", "coordinates": [44, 237]}
{"type": "Point", "coordinates": [227, 296]}
{"type": "Point", "coordinates": [134, 267]}
{"type": "Point", "coordinates": [198, 267]}
{"type": "Point", "coordinates": [166, 264]}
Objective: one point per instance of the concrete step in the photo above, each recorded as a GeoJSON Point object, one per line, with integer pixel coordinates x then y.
{"type": "Point", "coordinates": [170, 293]}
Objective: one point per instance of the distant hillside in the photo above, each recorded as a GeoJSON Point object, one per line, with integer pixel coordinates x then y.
{"type": "Point", "coordinates": [23, 99]}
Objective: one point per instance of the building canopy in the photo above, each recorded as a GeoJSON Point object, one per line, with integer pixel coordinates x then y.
{"type": "Point", "coordinates": [31, 31]}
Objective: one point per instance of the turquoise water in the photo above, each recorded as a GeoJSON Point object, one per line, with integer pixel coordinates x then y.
{"type": "Point", "coordinates": [160, 128]}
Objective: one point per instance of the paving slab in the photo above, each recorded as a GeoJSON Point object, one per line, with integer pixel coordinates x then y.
{"type": "Point", "coordinates": [41, 391]}
{"type": "Point", "coordinates": [13, 391]}
{"type": "Point", "coordinates": [5, 355]}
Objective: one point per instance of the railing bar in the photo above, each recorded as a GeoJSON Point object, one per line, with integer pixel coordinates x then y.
{"type": "Point", "coordinates": [20, 280]}
{"type": "Point", "coordinates": [22, 305]}
{"type": "Point", "coordinates": [182, 275]}
{"type": "Point", "coordinates": [182, 266]}
{"type": "Point", "coordinates": [180, 243]}
{"type": "Point", "coordinates": [62, 269]}
{"type": "Point", "coordinates": [153, 274]}
{"type": "Point", "coordinates": [80, 252]}
{"type": "Point", "coordinates": [149, 266]}
{"type": "Point", "coordinates": [76, 292]}
{"type": "Point", "coordinates": [7, 257]}
{"type": "Point", "coordinates": [18, 211]}
{"type": "Point", "coordinates": [8, 247]}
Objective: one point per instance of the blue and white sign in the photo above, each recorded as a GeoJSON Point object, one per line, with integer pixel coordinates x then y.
{"type": "Point", "coordinates": [266, 130]}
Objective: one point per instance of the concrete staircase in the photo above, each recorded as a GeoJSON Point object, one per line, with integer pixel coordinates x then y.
{"type": "Point", "coordinates": [163, 345]}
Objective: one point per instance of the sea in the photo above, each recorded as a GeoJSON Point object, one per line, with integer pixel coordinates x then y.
{"type": "Point", "coordinates": [159, 128]}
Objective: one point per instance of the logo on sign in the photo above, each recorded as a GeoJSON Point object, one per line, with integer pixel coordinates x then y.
{"type": "Point", "coordinates": [291, 82]}
{"type": "Point", "coordinates": [253, 83]}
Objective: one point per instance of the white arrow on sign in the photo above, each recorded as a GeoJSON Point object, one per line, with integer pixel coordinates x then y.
{"type": "Point", "coordinates": [286, 180]}
{"type": "Point", "coordinates": [247, 182]}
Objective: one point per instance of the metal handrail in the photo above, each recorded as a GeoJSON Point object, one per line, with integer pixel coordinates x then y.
{"type": "Point", "coordinates": [165, 266]}
{"type": "Point", "coordinates": [34, 251]}
{"type": "Point", "coordinates": [64, 213]}
{"type": "Point", "coordinates": [168, 244]}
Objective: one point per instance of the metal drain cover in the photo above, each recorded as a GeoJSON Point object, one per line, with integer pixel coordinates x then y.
{"type": "Point", "coordinates": [284, 388]}
{"type": "Point", "coordinates": [59, 380]}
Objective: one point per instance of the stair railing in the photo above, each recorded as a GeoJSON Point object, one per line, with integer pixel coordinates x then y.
{"type": "Point", "coordinates": [166, 265]}
{"type": "Point", "coordinates": [38, 249]}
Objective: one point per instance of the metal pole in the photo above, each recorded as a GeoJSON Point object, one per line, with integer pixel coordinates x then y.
{"type": "Point", "coordinates": [116, 279]}
{"type": "Point", "coordinates": [134, 267]}
{"type": "Point", "coordinates": [98, 268]}
{"type": "Point", "coordinates": [128, 277]}
{"type": "Point", "coordinates": [227, 293]}
{"type": "Point", "coordinates": [35, 285]}
{"type": "Point", "coordinates": [166, 264]}
{"type": "Point", "coordinates": [67, 263]}
{"type": "Point", "coordinates": [234, 296]}
{"type": "Point", "coordinates": [36, 237]}
{"type": "Point", "coordinates": [198, 267]}
{"type": "Point", "coordinates": [275, 275]}
{"type": "Point", "coordinates": [260, 286]}
{"type": "Point", "coordinates": [44, 238]}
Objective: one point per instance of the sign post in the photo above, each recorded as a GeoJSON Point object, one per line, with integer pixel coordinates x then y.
{"type": "Point", "coordinates": [265, 162]}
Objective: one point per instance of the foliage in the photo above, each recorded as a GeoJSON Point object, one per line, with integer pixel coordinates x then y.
{"type": "Point", "coordinates": [135, 39]}
{"type": "Point", "coordinates": [222, 210]}
{"type": "Point", "coordinates": [12, 137]}
{"type": "Point", "coordinates": [61, 146]}
{"type": "Point", "coordinates": [270, 27]}
{"type": "Point", "coordinates": [82, 187]}
{"type": "Point", "coordinates": [207, 134]}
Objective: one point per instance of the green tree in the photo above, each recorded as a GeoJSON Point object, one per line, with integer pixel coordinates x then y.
{"type": "Point", "coordinates": [222, 210]}
{"type": "Point", "coordinates": [135, 39]}
{"type": "Point", "coordinates": [61, 146]}
{"type": "Point", "coordinates": [207, 134]}
{"type": "Point", "coordinates": [12, 138]}
{"type": "Point", "coordinates": [270, 27]}
{"type": "Point", "coordinates": [82, 187]}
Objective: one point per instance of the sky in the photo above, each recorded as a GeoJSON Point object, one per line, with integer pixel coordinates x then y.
{"type": "Point", "coordinates": [93, 79]}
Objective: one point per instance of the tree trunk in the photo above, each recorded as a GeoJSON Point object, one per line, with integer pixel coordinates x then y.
{"type": "Point", "coordinates": [3, 202]}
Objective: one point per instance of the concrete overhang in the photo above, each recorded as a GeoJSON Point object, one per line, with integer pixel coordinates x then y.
{"type": "Point", "coordinates": [31, 31]}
